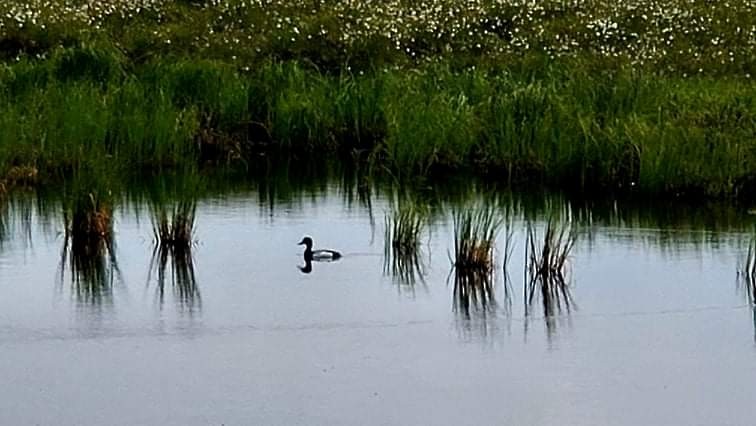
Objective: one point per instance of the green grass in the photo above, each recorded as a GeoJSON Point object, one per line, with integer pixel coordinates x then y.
{"type": "Point", "coordinates": [596, 97]}
{"type": "Point", "coordinates": [618, 130]}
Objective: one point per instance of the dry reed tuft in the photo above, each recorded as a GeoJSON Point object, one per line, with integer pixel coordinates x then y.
{"type": "Point", "coordinates": [474, 239]}
{"type": "Point", "coordinates": [89, 220]}
{"type": "Point", "coordinates": [21, 176]}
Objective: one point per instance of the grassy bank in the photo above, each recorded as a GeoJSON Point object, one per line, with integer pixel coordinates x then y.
{"type": "Point", "coordinates": [653, 97]}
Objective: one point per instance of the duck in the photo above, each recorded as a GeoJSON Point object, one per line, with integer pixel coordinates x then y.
{"type": "Point", "coordinates": [317, 255]}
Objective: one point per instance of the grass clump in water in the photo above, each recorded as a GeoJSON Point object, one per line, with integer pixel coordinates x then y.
{"type": "Point", "coordinates": [89, 249]}
{"type": "Point", "coordinates": [173, 247]}
{"type": "Point", "coordinates": [173, 229]}
{"type": "Point", "coordinates": [402, 248]}
{"type": "Point", "coordinates": [475, 238]}
{"type": "Point", "coordinates": [475, 233]}
{"type": "Point", "coordinates": [545, 267]}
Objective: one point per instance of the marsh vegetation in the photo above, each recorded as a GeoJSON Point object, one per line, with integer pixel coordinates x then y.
{"type": "Point", "coordinates": [473, 262]}
{"type": "Point", "coordinates": [546, 263]}
{"type": "Point", "coordinates": [404, 227]}
{"type": "Point", "coordinates": [173, 209]}
{"type": "Point", "coordinates": [88, 251]}
{"type": "Point", "coordinates": [641, 96]}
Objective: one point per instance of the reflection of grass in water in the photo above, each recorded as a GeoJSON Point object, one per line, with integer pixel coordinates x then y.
{"type": "Point", "coordinates": [474, 239]}
{"type": "Point", "coordinates": [746, 272]}
{"type": "Point", "coordinates": [473, 290]}
{"type": "Point", "coordinates": [4, 219]}
{"type": "Point", "coordinates": [16, 212]}
{"type": "Point", "coordinates": [174, 237]}
{"type": "Point", "coordinates": [93, 267]}
{"type": "Point", "coordinates": [746, 278]}
{"type": "Point", "coordinates": [88, 249]}
{"type": "Point", "coordinates": [545, 275]}
{"type": "Point", "coordinates": [404, 227]}
{"type": "Point", "coordinates": [507, 255]}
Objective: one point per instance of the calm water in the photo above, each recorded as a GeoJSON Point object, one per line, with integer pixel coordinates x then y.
{"type": "Point", "coordinates": [659, 332]}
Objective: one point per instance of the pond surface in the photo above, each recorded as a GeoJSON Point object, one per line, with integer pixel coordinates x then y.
{"type": "Point", "coordinates": [657, 330]}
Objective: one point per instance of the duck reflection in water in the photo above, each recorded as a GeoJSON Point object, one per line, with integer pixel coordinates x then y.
{"type": "Point", "coordinates": [307, 267]}
{"type": "Point", "coordinates": [311, 255]}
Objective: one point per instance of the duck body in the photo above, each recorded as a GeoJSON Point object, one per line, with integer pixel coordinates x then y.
{"type": "Point", "coordinates": [317, 255]}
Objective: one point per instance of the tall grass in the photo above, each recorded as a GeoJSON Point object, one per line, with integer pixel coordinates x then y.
{"type": "Point", "coordinates": [562, 123]}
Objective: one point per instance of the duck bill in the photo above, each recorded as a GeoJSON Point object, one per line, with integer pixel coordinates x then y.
{"type": "Point", "coordinates": [301, 243]}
